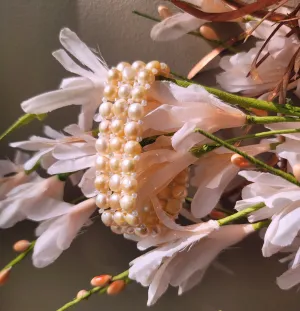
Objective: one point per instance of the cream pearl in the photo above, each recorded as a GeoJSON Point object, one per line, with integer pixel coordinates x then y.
{"type": "Point", "coordinates": [104, 127]}
{"type": "Point", "coordinates": [128, 165]}
{"type": "Point", "coordinates": [166, 193]}
{"type": "Point", "coordinates": [163, 203]}
{"type": "Point", "coordinates": [141, 231]}
{"type": "Point", "coordinates": [116, 229]}
{"type": "Point", "coordinates": [125, 91]}
{"type": "Point", "coordinates": [114, 75]}
{"type": "Point", "coordinates": [179, 192]}
{"type": "Point", "coordinates": [110, 92]}
{"type": "Point", "coordinates": [132, 130]}
{"type": "Point", "coordinates": [128, 74]}
{"type": "Point", "coordinates": [127, 203]}
{"type": "Point", "coordinates": [115, 182]}
{"type": "Point", "coordinates": [114, 201]}
{"type": "Point", "coordinates": [121, 66]}
{"type": "Point", "coordinates": [102, 145]}
{"type": "Point", "coordinates": [117, 127]}
{"type": "Point", "coordinates": [182, 178]}
{"type": "Point", "coordinates": [105, 110]}
{"type": "Point", "coordinates": [173, 207]}
{"type": "Point", "coordinates": [107, 218]}
{"type": "Point", "coordinates": [145, 76]}
{"type": "Point", "coordinates": [119, 218]}
{"type": "Point", "coordinates": [151, 220]}
{"type": "Point", "coordinates": [154, 66]}
{"type": "Point", "coordinates": [116, 144]}
{"type": "Point", "coordinates": [138, 94]}
{"type": "Point", "coordinates": [102, 201]}
{"type": "Point", "coordinates": [115, 164]}
{"type": "Point", "coordinates": [119, 107]}
{"type": "Point", "coordinates": [136, 111]}
{"type": "Point", "coordinates": [131, 219]}
{"type": "Point", "coordinates": [138, 65]}
{"type": "Point", "coordinates": [129, 184]}
{"type": "Point", "coordinates": [132, 148]}
{"type": "Point", "coordinates": [165, 69]}
{"type": "Point", "coordinates": [101, 182]}
{"type": "Point", "coordinates": [102, 164]}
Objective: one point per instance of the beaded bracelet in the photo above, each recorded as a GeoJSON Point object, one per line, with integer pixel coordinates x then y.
{"type": "Point", "coordinates": [118, 147]}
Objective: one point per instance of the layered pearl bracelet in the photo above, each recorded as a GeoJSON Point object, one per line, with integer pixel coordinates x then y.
{"type": "Point", "coordinates": [119, 149]}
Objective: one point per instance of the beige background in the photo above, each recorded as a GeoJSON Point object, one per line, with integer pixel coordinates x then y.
{"type": "Point", "coordinates": [28, 33]}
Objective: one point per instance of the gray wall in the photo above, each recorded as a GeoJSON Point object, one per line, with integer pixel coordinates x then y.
{"type": "Point", "coordinates": [28, 33]}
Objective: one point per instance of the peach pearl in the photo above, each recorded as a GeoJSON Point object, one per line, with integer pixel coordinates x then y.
{"type": "Point", "coordinates": [145, 76]}
{"type": "Point", "coordinates": [135, 111]}
{"type": "Point", "coordinates": [131, 219]}
{"type": "Point", "coordinates": [173, 207]}
{"type": "Point", "coordinates": [132, 130]}
{"type": "Point", "coordinates": [116, 229]}
{"type": "Point", "coordinates": [138, 65]}
{"type": "Point", "coordinates": [117, 127]}
{"type": "Point", "coordinates": [116, 144]}
{"type": "Point", "coordinates": [125, 91]}
{"type": "Point", "coordinates": [115, 182]}
{"type": "Point", "coordinates": [104, 127]}
{"type": "Point", "coordinates": [119, 107]}
{"type": "Point", "coordinates": [165, 69]}
{"type": "Point", "coordinates": [165, 193]}
{"type": "Point", "coordinates": [182, 178]}
{"type": "Point", "coordinates": [129, 184]}
{"type": "Point", "coordinates": [102, 145]}
{"type": "Point", "coordinates": [141, 231]}
{"type": "Point", "coordinates": [179, 192]}
{"type": "Point", "coordinates": [114, 75]}
{"type": "Point", "coordinates": [128, 165]}
{"type": "Point", "coordinates": [127, 203]}
{"type": "Point", "coordinates": [132, 148]}
{"type": "Point", "coordinates": [114, 201]}
{"type": "Point", "coordinates": [115, 164]}
{"type": "Point", "coordinates": [101, 182]}
{"type": "Point", "coordinates": [107, 218]}
{"type": "Point", "coordinates": [154, 66]}
{"type": "Point", "coordinates": [138, 94]}
{"type": "Point", "coordinates": [102, 164]}
{"type": "Point", "coordinates": [110, 92]}
{"type": "Point", "coordinates": [121, 66]}
{"type": "Point", "coordinates": [102, 201]}
{"type": "Point", "coordinates": [128, 74]}
{"type": "Point", "coordinates": [105, 110]}
{"type": "Point", "coordinates": [119, 218]}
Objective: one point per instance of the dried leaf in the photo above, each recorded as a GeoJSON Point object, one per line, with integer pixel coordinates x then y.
{"type": "Point", "coordinates": [226, 16]}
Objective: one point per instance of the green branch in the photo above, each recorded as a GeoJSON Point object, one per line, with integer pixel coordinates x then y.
{"type": "Point", "coordinates": [251, 159]}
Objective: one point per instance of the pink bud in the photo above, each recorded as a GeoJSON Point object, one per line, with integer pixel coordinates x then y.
{"type": "Point", "coordinates": [21, 246]}
{"type": "Point", "coordinates": [4, 275]}
{"type": "Point", "coordinates": [116, 287]}
{"type": "Point", "coordinates": [81, 293]}
{"type": "Point", "coordinates": [239, 161]}
{"type": "Point", "coordinates": [164, 12]}
{"type": "Point", "coordinates": [296, 171]}
{"type": "Point", "coordinates": [101, 280]}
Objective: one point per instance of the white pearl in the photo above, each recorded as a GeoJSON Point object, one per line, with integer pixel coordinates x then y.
{"type": "Point", "coordinates": [141, 232]}
{"type": "Point", "coordinates": [139, 93]}
{"type": "Point", "coordinates": [121, 66]}
{"type": "Point", "coordinates": [132, 130]}
{"type": "Point", "coordinates": [119, 107]}
{"type": "Point", "coordinates": [116, 144]}
{"type": "Point", "coordinates": [114, 201]}
{"type": "Point", "coordinates": [107, 218]}
{"type": "Point", "coordinates": [115, 164]}
{"type": "Point", "coordinates": [115, 182]}
{"type": "Point", "coordinates": [102, 164]}
{"type": "Point", "coordinates": [110, 92]}
{"type": "Point", "coordinates": [104, 127]}
{"type": "Point", "coordinates": [129, 184]}
{"type": "Point", "coordinates": [116, 229]}
{"type": "Point", "coordinates": [132, 148]}
{"type": "Point", "coordinates": [102, 145]}
{"type": "Point", "coordinates": [101, 182]}
{"type": "Point", "coordinates": [128, 74]}
{"type": "Point", "coordinates": [128, 165]}
{"type": "Point", "coordinates": [117, 127]}
{"type": "Point", "coordinates": [179, 192]}
{"type": "Point", "coordinates": [127, 203]}
{"type": "Point", "coordinates": [125, 91]}
{"type": "Point", "coordinates": [138, 65]}
{"type": "Point", "coordinates": [119, 218]}
{"type": "Point", "coordinates": [102, 201]}
{"type": "Point", "coordinates": [105, 110]}
{"type": "Point", "coordinates": [132, 220]}
{"type": "Point", "coordinates": [135, 111]}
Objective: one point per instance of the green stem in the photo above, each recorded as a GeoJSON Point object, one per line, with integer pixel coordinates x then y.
{"type": "Point", "coordinates": [241, 101]}
{"type": "Point", "coordinates": [23, 120]}
{"type": "Point", "coordinates": [100, 290]}
{"type": "Point", "coordinates": [20, 257]}
{"type": "Point", "coordinates": [262, 224]}
{"type": "Point", "coordinates": [269, 119]}
{"type": "Point", "coordinates": [251, 159]}
{"type": "Point", "coordinates": [241, 214]}
{"type": "Point", "coordinates": [199, 151]}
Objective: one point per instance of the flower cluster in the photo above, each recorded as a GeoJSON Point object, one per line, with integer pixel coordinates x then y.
{"type": "Point", "coordinates": [146, 140]}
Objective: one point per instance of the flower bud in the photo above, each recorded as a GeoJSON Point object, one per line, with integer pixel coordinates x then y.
{"type": "Point", "coordinates": [164, 12]}
{"type": "Point", "coordinates": [259, 112]}
{"type": "Point", "coordinates": [21, 246]}
{"type": "Point", "coordinates": [116, 287]}
{"type": "Point", "coordinates": [4, 275]}
{"type": "Point", "coordinates": [215, 214]}
{"type": "Point", "coordinates": [296, 171]}
{"type": "Point", "coordinates": [239, 161]}
{"type": "Point", "coordinates": [81, 293]}
{"type": "Point", "coordinates": [101, 280]}
{"type": "Point", "coordinates": [208, 33]}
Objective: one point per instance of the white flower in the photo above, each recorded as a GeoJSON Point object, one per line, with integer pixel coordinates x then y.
{"type": "Point", "coordinates": [183, 260]}
{"type": "Point", "coordinates": [85, 90]}
{"type": "Point", "coordinates": [34, 200]}
{"type": "Point", "coordinates": [237, 67]}
{"type": "Point", "coordinates": [282, 200]}
{"type": "Point", "coordinates": [58, 231]}
{"type": "Point", "coordinates": [212, 175]}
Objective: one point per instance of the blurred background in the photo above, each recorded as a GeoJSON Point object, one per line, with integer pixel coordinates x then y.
{"type": "Point", "coordinates": [28, 34]}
